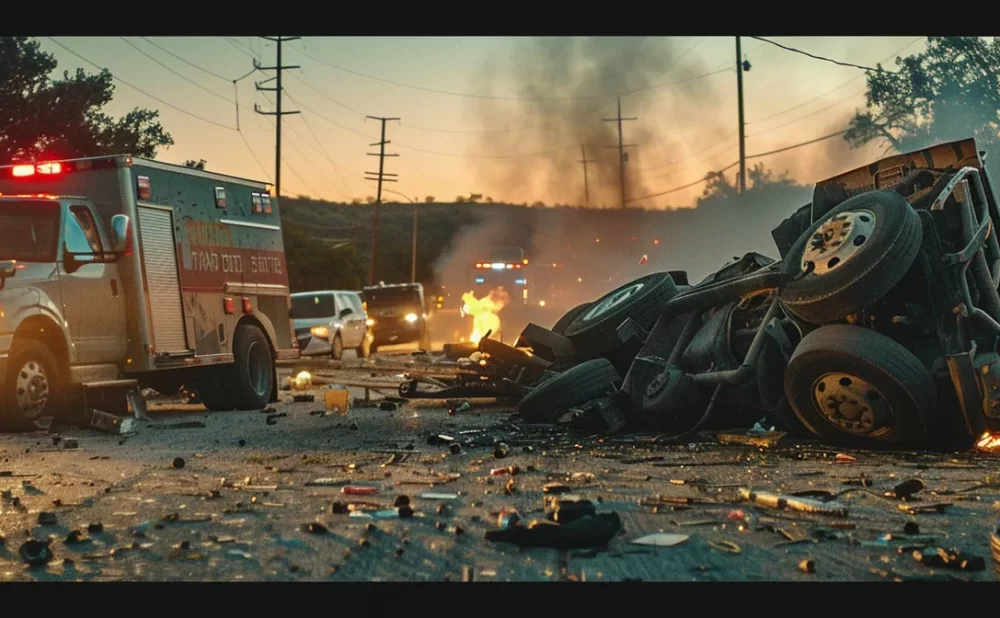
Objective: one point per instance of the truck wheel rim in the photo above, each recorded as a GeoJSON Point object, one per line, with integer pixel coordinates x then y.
{"type": "Point", "coordinates": [837, 241]}
{"type": "Point", "coordinates": [257, 366]}
{"type": "Point", "coordinates": [32, 389]}
{"type": "Point", "coordinates": [612, 301]}
{"type": "Point", "coordinates": [852, 404]}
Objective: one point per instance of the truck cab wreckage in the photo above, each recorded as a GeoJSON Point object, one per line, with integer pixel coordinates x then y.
{"type": "Point", "coordinates": [878, 327]}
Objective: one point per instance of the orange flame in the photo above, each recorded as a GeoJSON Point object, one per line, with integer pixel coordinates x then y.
{"type": "Point", "coordinates": [484, 312]}
{"type": "Point", "coordinates": [989, 442]}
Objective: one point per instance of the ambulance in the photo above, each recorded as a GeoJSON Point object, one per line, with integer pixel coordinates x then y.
{"type": "Point", "coordinates": [119, 273]}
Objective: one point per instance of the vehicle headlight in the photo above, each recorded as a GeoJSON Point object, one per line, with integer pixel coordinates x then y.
{"type": "Point", "coordinates": [320, 331]}
{"type": "Point", "coordinates": [411, 318]}
{"type": "Point", "coordinates": [370, 322]}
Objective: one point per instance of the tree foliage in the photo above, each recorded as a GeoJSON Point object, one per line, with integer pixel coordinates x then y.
{"type": "Point", "coordinates": [948, 92]}
{"type": "Point", "coordinates": [317, 265]}
{"type": "Point", "coordinates": [45, 118]}
{"type": "Point", "coordinates": [198, 165]}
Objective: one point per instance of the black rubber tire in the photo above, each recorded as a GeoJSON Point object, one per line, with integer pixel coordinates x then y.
{"type": "Point", "coordinates": [210, 389]}
{"type": "Point", "coordinates": [869, 275]}
{"type": "Point", "coordinates": [574, 387]}
{"type": "Point", "coordinates": [560, 325]}
{"type": "Point", "coordinates": [660, 343]}
{"type": "Point", "coordinates": [253, 356]}
{"type": "Point", "coordinates": [885, 364]}
{"type": "Point", "coordinates": [25, 351]}
{"type": "Point", "coordinates": [676, 403]}
{"type": "Point", "coordinates": [598, 335]}
{"type": "Point", "coordinates": [337, 348]}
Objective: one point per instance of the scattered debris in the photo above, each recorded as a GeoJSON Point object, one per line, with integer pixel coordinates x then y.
{"type": "Point", "coordinates": [327, 482]}
{"type": "Point", "coordinates": [111, 424]}
{"type": "Point", "coordinates": [726, 546]}
{"type": "Point", "coordinates": [70, 444]}
{"type": "Point", "coordinates": [807, 566]}
{"type": "Point", "coordinates": [46, 518]}
{"type": "Point", "coordinates": [439, 496]}
{"type": "Point", "coordinates": [587, 532]}
{"type": "Point", "coordinates": [906, 489]}
{"type": "Point", "coordinates": [917, 509]}
{"type": "Point", "coordinates": [76, 537]}
{"type": "Point", "coordinates": [388, 406]}
{"type": "Point", "coordinates": [305, 398]}
{"type": "Point", "coordinates": [751, 438]}
{"type": "Point", "coordinates": [455, 448]}
{"type": "Point", "coordinates": [843, 458]}
{"type": "Point", "coordinates": [314, 528]}
{"type": "Point", "coordinates": [358, 490]}
{"type": "Point", "coordinates": [177, 463]}
{"type": "Point", "coordinates": [182, 425]}
{"type": "Point", "coordinates": [950, 559]}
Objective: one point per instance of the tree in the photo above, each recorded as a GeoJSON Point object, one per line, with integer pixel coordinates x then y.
{"type": "Point", "coordinates": [948, 92]}
{"type": "Point", "coordinates": [355, 201]}
{"type": "Point", "coordinates": [370, 199]}
{"type": "Point", "coordinates": [429, 199]}
{"type": "Point", "coordinates": [198, 165]}
{"type": "Point", "coordinates": [62, 119]}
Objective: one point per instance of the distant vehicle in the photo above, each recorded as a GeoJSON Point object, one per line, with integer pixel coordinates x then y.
{"type": "Point", "coordinates": [118, 272]}
{"type": "Point", "coordinates": [504, 267]}
{"type": "Point", "coordinates": [330, 321]}
{"type": "Point", "coordinates": [397, 314]}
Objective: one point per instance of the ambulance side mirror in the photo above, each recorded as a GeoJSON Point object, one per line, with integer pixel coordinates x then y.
{"type": "Point", "coordinates": [121, 234]}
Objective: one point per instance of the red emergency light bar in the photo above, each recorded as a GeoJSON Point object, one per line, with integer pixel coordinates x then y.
{"type": "Point", "coordinates": [489, 266]}
{"type": "Point", "coordinates": [22, 171]}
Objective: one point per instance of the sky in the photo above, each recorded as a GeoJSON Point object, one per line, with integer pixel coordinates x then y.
{"type": "Point", "coordinates": [452, 140]}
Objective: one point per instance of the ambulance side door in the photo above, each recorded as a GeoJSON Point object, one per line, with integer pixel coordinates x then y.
{"type": "Point", "coordinates": [93, 302]}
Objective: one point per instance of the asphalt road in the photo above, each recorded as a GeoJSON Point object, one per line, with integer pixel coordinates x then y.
{"type": "Point", "coordinates": [242, 505]}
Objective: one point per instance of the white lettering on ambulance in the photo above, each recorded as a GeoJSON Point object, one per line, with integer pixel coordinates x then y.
{"type": "Point", "coordinates": [265, 265]}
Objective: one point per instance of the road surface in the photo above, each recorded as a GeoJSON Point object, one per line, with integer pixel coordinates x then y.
{"type": "Point", "coordinates": [246, 504]}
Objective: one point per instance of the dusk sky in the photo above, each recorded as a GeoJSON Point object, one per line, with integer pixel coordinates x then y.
{"type": "Point", "coordinates": [446, 141]}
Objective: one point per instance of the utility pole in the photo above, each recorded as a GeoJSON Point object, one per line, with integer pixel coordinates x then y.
{"type": "Point", "coordinates": [413, 258]}
{"type": "Point", "coordinates": [739, 87]}
{"type": "Point", "coordinates": [278, 40]}
{"type": "Point", "coordinates": [381, 177]}
{"type": "Point", "coordinates": [621, 148]}
{"type": "Point", "coordinates": [586, 185]}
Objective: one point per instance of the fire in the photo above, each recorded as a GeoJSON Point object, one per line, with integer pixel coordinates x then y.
{"type": "Point", "coordinates": [989, 442]}
{"type": "Point", "coordinates": [484, 311]}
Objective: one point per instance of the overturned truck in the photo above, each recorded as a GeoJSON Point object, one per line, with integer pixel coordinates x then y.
{"type": "Point", "coordinates": [878, 327]}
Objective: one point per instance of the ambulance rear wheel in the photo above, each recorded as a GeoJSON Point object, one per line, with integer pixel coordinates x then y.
{"type": "Point", "coordinates": [33, 390]}
{"type": "Point", "coordinates": [254, 368]}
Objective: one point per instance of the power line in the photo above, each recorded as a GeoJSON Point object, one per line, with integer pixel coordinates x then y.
{"type": "Point", "coordinates": [191, 64]}
{"type": "Point", "coordinates": [735, 163]}
{"type": "Point", "coordinates": [498, 98]}
{"type": "Point", "coordinates": [831, 91]}
{"type": "Point", "coordinates": [823, 58]}
{"type": "Point", "coordinates": [190, 81]}
{"type": "Point", "coordinates": [278, 114]}
{"type": "Point", "coordinates": [259, 164]}
{"type": "Point", "coordinates": [155, 98]}
{"type": "Point", "coordinates": [810, 115]}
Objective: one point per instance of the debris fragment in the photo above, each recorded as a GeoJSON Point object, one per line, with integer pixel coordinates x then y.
{"type": "Point", "coordinates": [843, 458]}
{"type": "Point", "coordinates": [792, 503]}
{"type": "Point", "coordinates": [760, 440]}
{"type": "Point", "coordinates": [76, 537]}
{"type": "Point", "coordinates": [950, 558]}
{"type": "Point", "coordinates": [97, 528]}
{"type": "Point", "coordinates": [555, 488]}
{"type": "Point", "coordinates": [46, 518]}
{"type": "Point", "coordinates": [906, 489]}
{"type": "Point", "coordinates": [661, 540]}
{"type": "Point", "coordinates": [726, 546]}
{"type": "Point", "coordinates": [358, 490]}
{"type": "Point", "coordinates": [305, 398]}
{"type": "Point", "coordinates": [70, 444]}
{"type": "Point", "coordinates": [35, 553]}
{"type": "Point", "coordinates": [455, 448]}
{"type": "Point", "coordinates": [439, 496]}
{"type": "Point", "coordinates": [587, 532]}
{"type": "Point", "coordinates": [327, 482]}
{"type": "Point", "coordinates": [501, 450]}
{"type": "Point", "coordinates": [177, 463]}
{"type": "Point", "coordinates": [911, 528]}
{"type": "Point", "coordinates": [917, 509]}
{"type": "Point", "coordinates": [505, 471]}
{"type": "Point", "coordinates": [314, 528]}
{"type": "Point", "coordinates": [388, 406]}
{"type": "Point", "coordinates": [807, 566]}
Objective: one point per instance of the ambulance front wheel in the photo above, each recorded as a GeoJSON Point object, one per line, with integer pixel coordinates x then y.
{"type": "Point", "coordinates": [254, 368]}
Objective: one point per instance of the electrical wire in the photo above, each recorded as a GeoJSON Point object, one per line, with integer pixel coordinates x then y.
{"type": "Point", "coordinates": [498, 98]}
{"type": "Point", "coordinates": [187, 62]}
{"type": "Point", "coordinates": [823, 58]}
{"type": "Point", "coordinates": [155, 98]}
{"type": "Point", "coordinates": [259, 164]}
{"type": "Point", "coordinates": [831, 91]}
{"type": "Point", "coordinates": [732, 165]}
{"type": "Point", "coordinates": [810, 115]}
{"type": "Point", "coordinates": [188, 80]}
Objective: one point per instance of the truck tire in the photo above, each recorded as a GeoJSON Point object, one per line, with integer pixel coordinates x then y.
{"type": "Point", "coordinates": [254, 372]}
{"type": "Point", "coordinates": [594, 332]}
{"type": "Point", "coordinates": [859, 251]}
{"type": "Point", "coordinates": [33, 389]}
{"type": "Point", "coordinates": [857, 387]}
{"type": "Point", "coordinates": [560, 326]}
{"type": "Point", "coordinates": [574, 387]}
{"type": "Point", "coordinates": [210, 389]}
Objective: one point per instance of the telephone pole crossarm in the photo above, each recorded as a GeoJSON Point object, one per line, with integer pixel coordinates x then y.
{"type": "Point", "coordinates": [279, 113]}
{"type": "Point", "coordinates": [621, 147]}
{"type": "Point", "coordinates": [380, 177]}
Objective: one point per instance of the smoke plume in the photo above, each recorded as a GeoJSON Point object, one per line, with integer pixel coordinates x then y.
{"type": "Point", "coordinates": [567, 86]}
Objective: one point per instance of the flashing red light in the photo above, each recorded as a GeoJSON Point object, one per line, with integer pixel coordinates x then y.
{"type": "Point", "coordinates": [247, 307]}
{"type": "Point", "coordinates": [517, 266]}
{"type": "Point", "coordinates": [479, 265]}
{"type": "Point", "coordinates": [656, 242]}
{"type": "Point", "coordinates": [229, 305]}
{"type": "Point", "coordinates": [49, 168]}
{"type": "Point", "coordinates": [21, 171]}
